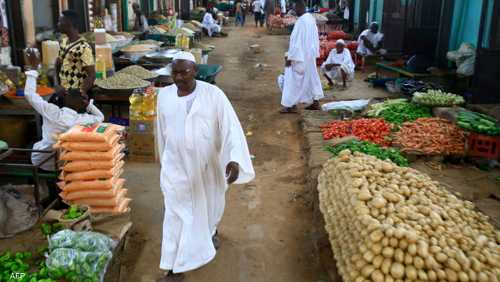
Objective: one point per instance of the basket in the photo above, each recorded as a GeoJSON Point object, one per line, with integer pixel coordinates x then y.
{"type": "Point", "coordinates": [208, 73]}
{"type": "Point", "coordinates": [483, 146]}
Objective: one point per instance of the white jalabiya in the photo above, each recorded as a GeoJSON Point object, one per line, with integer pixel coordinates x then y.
{"type": "Point", "coordinates": [55, 120]}
{"type": "Point", "coordinates": [283, 6]}
{"type": "Point", "coordinates": [374, 38]}
{"type": "Point", "coordinates": [210, 25]}
{"type": "Point", "coordinates": [344, 59]}
{"type": "Point", "coordinates": [302, 82]}
{"type": "Point", "coordinates": [195, 146]}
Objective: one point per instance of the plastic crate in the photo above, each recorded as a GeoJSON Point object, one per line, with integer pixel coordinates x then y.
{"type": "Point", "coordinates": [483, 146]}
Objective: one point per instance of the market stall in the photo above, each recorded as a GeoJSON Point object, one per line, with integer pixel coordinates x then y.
{"type": "Point", "coordinates": [383, 204]}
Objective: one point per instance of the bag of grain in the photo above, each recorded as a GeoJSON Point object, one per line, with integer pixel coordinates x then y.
{"type": "Point", "coordinates": [89, 146]}
{"type": "Point", "coordinates": [75, 166]}
{"type": "Point", "coordinates": [106, 202]}
{"type": "Point", "coordinates": [116, 171]}
{"type": "Point", "coordinates": [104, 132]}
{"type": "Point", "coordinates": [97, 156]}
{"type": "Point", "coordinates": [122, 207]}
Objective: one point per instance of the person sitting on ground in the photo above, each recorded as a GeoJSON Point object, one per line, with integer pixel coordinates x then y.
{"type": "Point", "coordinates": [72, 109]}
{"type": "Point", "coordinates": [210, 25]}
{"type": "Point", "coordinates": [370, 41]}
{"type": "Point", "coordinates": [339, 65]}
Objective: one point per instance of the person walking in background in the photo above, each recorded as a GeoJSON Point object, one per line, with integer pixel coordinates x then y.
{"type": "Point", "coordinates": [238, 14]}
{"type": "Point", "coordinates": [269, 8]}
{"type": "Point", "coordinates": [141, 22]}
{"type": "Point", "coordinates": [244, 11]}
{"type": "Point", "coordinates": [257, 13]}
{"type": "Point", "coordinates": [202, 150]}
{"type": "Point", "coordinates": [301, 80]}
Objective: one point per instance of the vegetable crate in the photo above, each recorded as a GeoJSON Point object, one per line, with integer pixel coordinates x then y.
{"type": "Point", "coordinates": [483, 146]}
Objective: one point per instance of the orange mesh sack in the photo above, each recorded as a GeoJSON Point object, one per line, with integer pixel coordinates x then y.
{"type": "Point", "coordinates": [76, 166]}
{"type": "Point", "coordinates": [100, 202]}
{"type": "Point", "coordinates": [86, 194]}
{"type": "Point", "coordinates": [105, 184]}
{"type": "Point", "coordinates": [104, 132]}
{"type": "Point", "coordinates": [88, 156]}
{"type": "Point", "coordinates": [116, 171]}
{"type": "Point", "coordinates": [122, 207]}
{"type": "Point", "coordinates": [89, 146]}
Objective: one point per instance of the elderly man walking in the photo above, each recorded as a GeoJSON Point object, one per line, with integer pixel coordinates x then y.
{"type": "Point", "coordinates": [301, 79]}
{"type": "Point", "coordinates": [202, 150]}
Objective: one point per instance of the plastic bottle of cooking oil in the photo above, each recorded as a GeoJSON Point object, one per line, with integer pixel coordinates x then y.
{"type": "Point", "coordinates": [100, 67]}
{"type": "Point", "coordinates": [149, 103]}
{"type": "Point", "coordinates": [136, 108]}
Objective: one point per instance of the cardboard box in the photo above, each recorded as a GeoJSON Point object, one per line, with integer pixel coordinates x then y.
{"type": "Point", "coordinates": [141, 141]}
{"type": "Point", "coordinates": [142, 127]}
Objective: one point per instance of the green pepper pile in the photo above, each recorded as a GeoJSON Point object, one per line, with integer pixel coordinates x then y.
{"type": "Point", "coordinates": [18, 268]}
{"type": "Point", "coordinates": [49, 229]}
{"type": "Point", "coordinates": [398, 111]}
{"type": "Point", "coordinates": [477, 122]}
{"type": "Point", "coordinates": [401, 113]}
{"type": "Point", "coordinates": [370, 149]}
{"type": "Point", "coordinates": [73, 212]}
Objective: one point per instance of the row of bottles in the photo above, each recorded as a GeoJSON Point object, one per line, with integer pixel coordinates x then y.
{"type": "Point", "coordinates": [143, 104]}
{"type": "Point", "coordinates": [182, 41]}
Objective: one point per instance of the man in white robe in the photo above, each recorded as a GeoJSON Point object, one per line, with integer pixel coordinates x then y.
{"type": "Point", "coordinates": [302, 83]}
{"type": "Point", "coordinates": [210, 25]}
{"type": "Point", "coordinates": [339, 66]}
{"type": "Point", "coordinates": [202, 149]}
{"type": "Point", "coordinates": [370, 41]}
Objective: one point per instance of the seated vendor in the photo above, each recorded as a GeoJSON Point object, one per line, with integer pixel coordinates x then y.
{"type": "Point", "coordinates": [71, 109]}
{"type": "Point", "coordinates": [210, 25]}
{"type": "Point", "coordinates": [370, 42]}
{"type": "Point", "coordinates": [339, 66]}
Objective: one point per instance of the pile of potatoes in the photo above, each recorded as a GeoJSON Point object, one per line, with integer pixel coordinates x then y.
{"type": "Point", "coordinates": [390, 223]}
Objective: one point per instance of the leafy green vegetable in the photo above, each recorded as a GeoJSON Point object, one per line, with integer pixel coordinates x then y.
{"type": "Point", "coordinates": [49, 229]}
{"type": "Point", "coordinates": [370, 149]}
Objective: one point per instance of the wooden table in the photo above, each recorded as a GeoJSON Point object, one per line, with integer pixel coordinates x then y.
{"type": "Point", "coordinates": [385, 67]}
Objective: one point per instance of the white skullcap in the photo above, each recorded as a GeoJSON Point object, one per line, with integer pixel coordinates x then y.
{"type": "Point", "coordinates": [186, 56]}
{"type": "Point", "coordinates": [340, 41]}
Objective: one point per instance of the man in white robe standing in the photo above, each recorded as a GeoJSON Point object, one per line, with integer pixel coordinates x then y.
{"type": "Point", "coordinates": [302, 83]}
{"type": "Point", "coordinates": [339, 66]}
{"type": "Point", "coordinates": [202, 150]}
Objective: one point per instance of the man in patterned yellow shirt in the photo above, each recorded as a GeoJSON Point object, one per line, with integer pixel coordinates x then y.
{"type": "Point", "coordinates": [75, 65]}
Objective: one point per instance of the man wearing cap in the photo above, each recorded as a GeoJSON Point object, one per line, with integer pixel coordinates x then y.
{"type": "Point", "coordinates": [301, 79]}
{"type": "Point", "coordinates": [202, 150]}
{"type": "Point", "coordinates": [338, 66]}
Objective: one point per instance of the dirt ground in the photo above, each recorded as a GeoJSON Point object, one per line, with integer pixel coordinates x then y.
{"type": "Point", "coordinates": [267, 227]}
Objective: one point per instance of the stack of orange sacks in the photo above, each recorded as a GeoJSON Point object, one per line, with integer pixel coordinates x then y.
{"type": "Point", "coordinates": [92, 157]}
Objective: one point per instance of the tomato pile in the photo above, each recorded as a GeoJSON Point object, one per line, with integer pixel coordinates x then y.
{"type": "Point", "coordinates": [372, 130]}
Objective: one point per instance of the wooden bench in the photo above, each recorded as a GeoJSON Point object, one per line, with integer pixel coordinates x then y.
{"type": "Point", "coordinates": [385, 67]}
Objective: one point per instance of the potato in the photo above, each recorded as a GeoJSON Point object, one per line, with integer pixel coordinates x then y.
{"type": "Point", "coordinates": [397, 270]}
